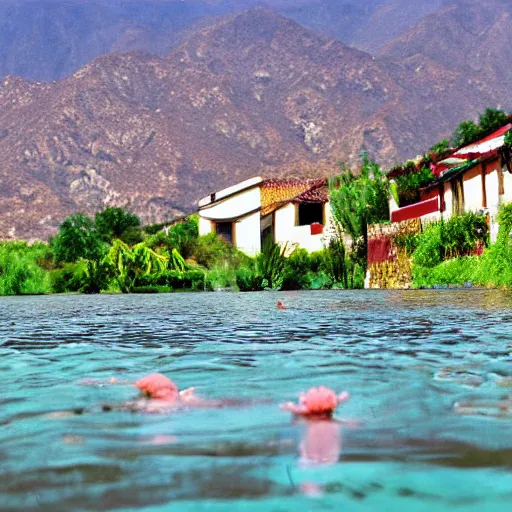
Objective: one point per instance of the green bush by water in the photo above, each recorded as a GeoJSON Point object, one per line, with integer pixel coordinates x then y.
{"type": "Point", "coordinates": [20, 270]}
{"type": "Point", "coordinates": [492, 269]}
{"type": "Point", "coordinates": [443, 240]}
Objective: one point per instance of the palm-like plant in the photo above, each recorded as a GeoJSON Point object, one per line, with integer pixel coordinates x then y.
{"type": "Point", "coordinates": [176, 261]}
{"type": "Point", "coordinates": [129, 263]}
{"type": "Point", "coordinates": [270, 264]}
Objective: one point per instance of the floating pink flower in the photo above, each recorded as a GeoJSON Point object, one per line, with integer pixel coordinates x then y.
{"type": "Point", "coordinates": [320, 401]}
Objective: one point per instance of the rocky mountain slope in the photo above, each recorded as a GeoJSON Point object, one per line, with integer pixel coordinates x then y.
{"type": "Point", "coordinates": [252, 94]}
{"type": "Point", "coordinates": [468, 35]}
{"type": "Point", "coordinates": [51, 39]}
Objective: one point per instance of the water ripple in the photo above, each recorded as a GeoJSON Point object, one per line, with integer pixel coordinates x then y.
{"type": "Point", "coordinates": [406, 357]}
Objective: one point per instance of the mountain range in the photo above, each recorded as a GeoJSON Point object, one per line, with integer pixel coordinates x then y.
{"type": "Point", "coordinates": [51, 39]}
{"type": "Point", "coordinates": [224, 98]}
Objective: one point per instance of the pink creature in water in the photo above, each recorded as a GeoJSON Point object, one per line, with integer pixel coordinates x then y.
{"type": "Point", "coordinates": [320, 402]}
{"type": "Point", "coordinates": [163, 394]}
{"type": "Point", "coordinates": [160, 394]}
{"type": "Point", "coordinates": [321, 442]}
{"type": "Point", "coordinates": [281, 306]}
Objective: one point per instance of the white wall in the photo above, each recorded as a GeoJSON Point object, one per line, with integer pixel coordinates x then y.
{"type": "Point", "coordinates": [473, 190]}
{"type": "Point", "coordinates": [507, 182]}
{"type": "Point", "coordinates": [248, 234]}
{"type": "Point", "coordinates": [448, 201]}
{"type": "Point", "coordinates": [298, 236]}
{"type": "Point", "coordinates": [205, 226]}
{"type": "Point", "coordinates": [284, 223]}
{"type": "Point", "coordinates": [492, 189]}
{"type": "Point", "coordinates": [234, 206]}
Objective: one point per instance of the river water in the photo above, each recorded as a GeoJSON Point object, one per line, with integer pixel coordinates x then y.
{"type": "Point", "coordinates": [428, 426]}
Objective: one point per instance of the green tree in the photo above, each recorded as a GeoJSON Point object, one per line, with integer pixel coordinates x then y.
{"type": "Point", "coordinates": [408, 185]}
{"type": "Point", "coordinates": [359, 200]}
{"type": "Point", "coordinates": [492, 119]}
{"type": "Point", "coordinates": [183, 235]}
{"type": "Point", "coordinates": [114, 222]}
{"type": "Point", "coordinates": [77, 238]}
{"type": "Point", "coordinates": [441, 147]}
{"type": "Point", "coordinates": [465, 133]}
{"type": "Point", "coordinates": [508, 139]}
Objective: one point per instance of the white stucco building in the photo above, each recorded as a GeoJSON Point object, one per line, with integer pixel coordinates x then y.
{"type": "Point", "coordinates": [473, 178]}
{"type": "Point", "coordinates": [289, 211]}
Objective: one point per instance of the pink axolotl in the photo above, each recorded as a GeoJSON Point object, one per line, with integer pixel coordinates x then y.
{"type": "Point", "coordinates": [321, 443]}
{"type": "Point", "coordinates": [163, 395]}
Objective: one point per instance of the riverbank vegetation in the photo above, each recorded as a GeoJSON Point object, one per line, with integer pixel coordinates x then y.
{"type": "Point", "coordinates": [114, 253]}
{"type": "Point", "coordinates": [458, 253]}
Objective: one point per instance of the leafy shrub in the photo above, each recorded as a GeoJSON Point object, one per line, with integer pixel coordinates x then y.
{"type": "Point", "coordinates": [456, 237]}
{"type": "Point", "coordinates": [66, 279]}
{"type": "Point", "coordinates": [128, 264]}
{"type": "Point", "coordinates": [335, 262]}
{"type": "Point", "coordinates": [317, 260]}
{"type": "Point", "coordinates": [493, 268]}
{"type": "Point", "coordinates": [213, 251]}
{"type": "Point", "coordinates": [176, 280]}
{"type": "Point", "coordinates": [441, 147]}
{"type": "Point", "coordinates": [157, 240]}
{"type": "Point", "coordinates": [468, 131]}
{"type": "Point", "coordinates": [297, 271]}
{"type": "Point", "coordinates": [92, 276]}
{"type": "Point", "coordinates": [465, 133]}
{"type": "Point", "coordinates": [319, 281]}
{"type": "Point", "coordinates": [77, 238]}
{"type": "Point", "coordinates": [19, 272]}
{"type": "Point", "coordinates": [270, 264]}
{"type": "Point", "coordinates": [496, 262]}
{"type": "Point", "coordinates": [408, 185]}
{"type": "Point", "coordinates": [248, 279]}
{"type": "Point", "coordinates": [492, 119]}
{"type": "Point", "coordinates": [462, 232]}
{"type": "Point", "coordinates": [458, 272]}
{"type": "Point", "coordinates": [183, 235]}
{"type": "Point", "coordinates": [220, 277]}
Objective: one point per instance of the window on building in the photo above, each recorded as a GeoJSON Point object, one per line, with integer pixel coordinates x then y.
{"type": "Point", "coordinates": [225, 230]}
{"type": "Point", "coordinates": [310, 213]}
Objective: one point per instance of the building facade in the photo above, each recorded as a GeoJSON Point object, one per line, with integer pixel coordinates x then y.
{"type": "Point", "coordinates": [474, 178]}
{"type": "Point", "coordinates": [290, 212]}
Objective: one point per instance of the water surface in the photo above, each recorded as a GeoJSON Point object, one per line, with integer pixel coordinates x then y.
{"type": "Point", "coordinates": [406, 357]}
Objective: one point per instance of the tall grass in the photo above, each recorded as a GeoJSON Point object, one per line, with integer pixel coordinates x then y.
{"type": "Point", "coordinates": [492, 269]}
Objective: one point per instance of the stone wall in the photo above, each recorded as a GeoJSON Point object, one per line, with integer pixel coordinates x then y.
{"type": "Point", "coordinates": [388, 265]}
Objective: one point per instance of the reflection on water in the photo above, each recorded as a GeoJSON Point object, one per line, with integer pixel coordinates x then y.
{"type": "Point", "coordinates": [429, 374]}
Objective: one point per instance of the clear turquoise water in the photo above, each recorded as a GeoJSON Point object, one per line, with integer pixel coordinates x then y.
{"type": "Point", "coordinates": [406, 358]}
